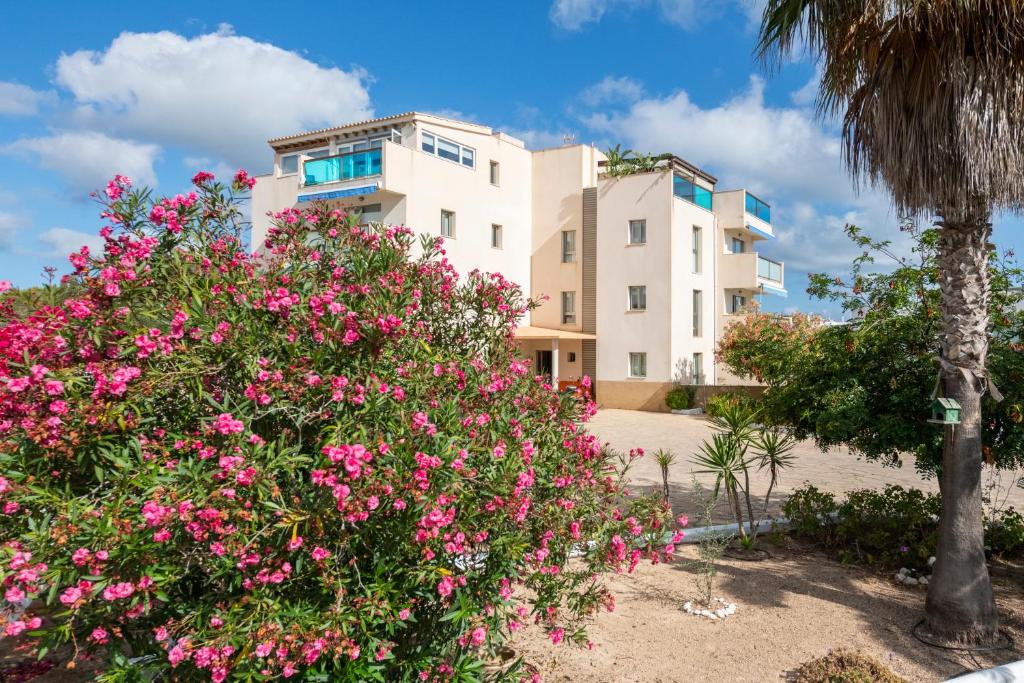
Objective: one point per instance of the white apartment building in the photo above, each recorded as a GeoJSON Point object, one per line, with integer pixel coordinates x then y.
{"type": "Point", "coordinates": [642, 271]}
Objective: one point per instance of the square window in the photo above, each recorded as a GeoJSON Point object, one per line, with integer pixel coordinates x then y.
{"type": "Point", "coordinates": [638, 298]}
{"type": "Point", "coordinates": [568, 246]}
{"type": "Point", "coordinates": [468, 157]}
{"type": "Point", "coordinates": [637, 364]}
{"type": "Point", "coordinates": [495, 236]}
{"type": "Point", "coordinates": [495, 172]}
{"type": "Point", "coordinates": [571, 357]}
{"type": "Point", "coordinates": [568, 308]}
{"type": "Point", "coordinates": [447, 223]}
{"type": "Point", "coordinates": [428, 143]}
{"type": "Point", "coordinates": [289, 164]}
{"type": "Point", "coordinates": [638, 232]}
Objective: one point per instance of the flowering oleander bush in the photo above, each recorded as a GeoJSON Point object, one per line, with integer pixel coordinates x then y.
{"type": "Point", "coordinates": [326, 462]}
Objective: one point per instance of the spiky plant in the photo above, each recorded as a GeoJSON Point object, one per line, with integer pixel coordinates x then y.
{"type": "Point", "coordinates": [931, 94]}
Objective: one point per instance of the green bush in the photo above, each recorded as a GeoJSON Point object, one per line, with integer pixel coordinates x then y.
{"type": "Point", "coordinates": [716, 404]}
{"type": "Point", "coordinates": [681, 397]}
{"type": "Point", "coordinates": [810, 512]}
{"type": "Point", "coordinates": [1005, 534]}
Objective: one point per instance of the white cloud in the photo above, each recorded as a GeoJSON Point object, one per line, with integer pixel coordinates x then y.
{"type": "Point", "coordinates": [543, 139]}
{"type": "Point", "coordinates": [218, 93]}
{"type": "Point", "coordinates": [9, 226]}
{"type": "Point", "coordinates": [62, 242]}
{"type": "Point", "coordinates": [612, 90]}
{"type": "Point", "coordinates": [572, 15]}
{"type": "Point", "coordinates": [87, 159]}
{"type": "Point", "coordinates": [21, 100]}
{"type": "Point", "coordinates": [785, 155]}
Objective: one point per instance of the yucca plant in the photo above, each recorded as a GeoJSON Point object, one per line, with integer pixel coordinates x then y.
{"type": "Point", "coordinates": [665, 459]}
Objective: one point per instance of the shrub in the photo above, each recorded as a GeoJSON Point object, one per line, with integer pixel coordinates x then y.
{"type": "Point", "coordinates": [1004, 535]}
{"type": "Point", "coordinates": [811, 513]}
{"type": "Point", "coordinates": [844, 666]}
{"type": "Point", "coordinates": [327, 462]}
{"type": "Point", "coordinates": [717, 405]}
{"type": "Point", "coordinates": [681, 397]}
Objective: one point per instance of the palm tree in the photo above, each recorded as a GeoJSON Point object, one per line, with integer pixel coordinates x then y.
{"type": "Point", "coordinates": [932, 98]}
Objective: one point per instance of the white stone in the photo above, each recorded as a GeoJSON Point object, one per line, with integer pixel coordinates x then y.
{"type": "Point", "coordinates": [910, 581]}
{"type": "Point", "coordinates": [923, 581]}
{"type": "Point", "coordinates": [931, 561]}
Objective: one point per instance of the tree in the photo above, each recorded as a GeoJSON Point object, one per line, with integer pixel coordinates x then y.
{"type": "Point", "coordinates": [932, 97]}
{"type": "Point", "coordinates": [867, 384]}
{"type": "Point", "coordinates": [328, 461]}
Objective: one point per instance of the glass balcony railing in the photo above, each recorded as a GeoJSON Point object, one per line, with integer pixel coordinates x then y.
{"type": "Point", "coordinates": [342, 167]}
{"type": "Point", "coordinates": [691, 192]}
{"type": "Point", "coordinates": [755, 207]}
{"type": "Point", "coordinates": [768, 269]}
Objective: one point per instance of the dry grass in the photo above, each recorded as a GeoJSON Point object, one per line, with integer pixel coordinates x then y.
{"type": "Point", "coordinates": [845, 666]}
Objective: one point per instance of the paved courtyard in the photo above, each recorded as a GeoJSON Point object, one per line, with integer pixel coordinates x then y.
{"type": "Point", "coordinates": [836, 471]}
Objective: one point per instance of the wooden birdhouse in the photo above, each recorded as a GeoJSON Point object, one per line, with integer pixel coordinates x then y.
{"type": "Point", "coordinates": [945, 411]}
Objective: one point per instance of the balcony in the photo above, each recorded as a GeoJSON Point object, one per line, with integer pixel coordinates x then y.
{"type": "Point", "coordinates": [740, 210]}
{"type": "Point", "coordinates": [343, 167]}
{"type": "Point", "coordinates": [752, 272]}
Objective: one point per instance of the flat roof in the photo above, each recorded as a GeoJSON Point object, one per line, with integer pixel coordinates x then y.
{"type": "Point", "coordinates": [527, 332]}
{"type": "Point", "coordinates": [286, 140]}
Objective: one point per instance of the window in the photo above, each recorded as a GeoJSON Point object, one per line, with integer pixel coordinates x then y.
{"type": "Point", "coordinates": [698, 301]}
{"type": "Point", "coordinates": [568, 246]}
{"type": "Point", "coordinates": [495, 172]}
{"type": "Point", "coordinates": [691, 192]}
{"type": "Point", "coordinates": [698, 368]}
{"type": "Point", "coordinates": [495, 236]}
{"type": "Point", "coordinates": [697, 239]}
{"type": "Point", "coordinates": [638, 232]}
{"type": "Point", "coordinates": [396, 136]}
{"type": "Point", "coordinates": [758, 208]}
{"type": "Point", "coordinates": [568, 308]}
{"type": "Point", "coordinates": [738, 245]}
{"type": "Point", "coordinates": [447, 223]}
{"type": "Point", "coordinates": [638, 298]}
{"type": "Point", "coordinates": [736, 303]}
{"type": "Point", "coordinates": [318, 153]}
{"type": "Point", "coordinates": [289, 164]}
{"type": "Point", "coordinates": [571, 356]}
{"type": "Point", "coordinates": [637, 364]}
{"type": "Point", "coordinates": [446, 149]}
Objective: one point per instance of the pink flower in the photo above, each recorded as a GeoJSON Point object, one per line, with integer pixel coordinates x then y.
{"type": "Point", "coordinates": [71, 595]}
{"type": "Point", "coordinates": [479, 635]}
{"type": "Point", "coordinates": [202, 178]}
{"type": "Point", "coordinates": [445, 586]}
{"type": "Point", "coordinates": [295, 543]}
{"type": "Point", "coordinates": [557, 635]}
{"type": "Point", "coordinates": [14, 594]}
{"type": "Point", "coordinates": [5, 285]}
{"type": "Point", "coordinates": [99, 635]}
{"type": "Point", "coordinates": [118, 591]}
{"type": "Point", "coordinates": [227, 424]}
{"type": "Point", "coordinates": [320, 554]}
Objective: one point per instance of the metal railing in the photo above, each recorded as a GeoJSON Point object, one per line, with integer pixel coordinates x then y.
{"type": "Point", "coordinates": [756, 207]}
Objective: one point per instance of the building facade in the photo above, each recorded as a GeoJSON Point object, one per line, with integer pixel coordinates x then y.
{"type": "Point", "coordinates": [641, 271]}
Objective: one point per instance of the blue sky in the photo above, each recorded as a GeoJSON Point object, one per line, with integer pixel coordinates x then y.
{"type": "Point", "coordinates": [158, 92]}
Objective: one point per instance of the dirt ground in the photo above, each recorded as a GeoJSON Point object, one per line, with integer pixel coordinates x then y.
{"type": "Point", "coordinates": [837, 471]}
{"type": "Point", "coordinates": [792, 608]}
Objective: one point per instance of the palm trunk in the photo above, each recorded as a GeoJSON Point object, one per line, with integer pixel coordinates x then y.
{"type": "Point", "coordinates": [960, 607]}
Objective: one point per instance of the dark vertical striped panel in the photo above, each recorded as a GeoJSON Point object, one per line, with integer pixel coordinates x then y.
{"type": "Point", "coordinates": [589, 359]}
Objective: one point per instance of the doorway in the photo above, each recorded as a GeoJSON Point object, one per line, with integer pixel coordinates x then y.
{"type": "Point", "coordinates": [544, 363]}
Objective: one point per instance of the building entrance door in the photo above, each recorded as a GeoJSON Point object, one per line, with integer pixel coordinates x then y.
{"type": "Point", "coordinates": [544, 363]}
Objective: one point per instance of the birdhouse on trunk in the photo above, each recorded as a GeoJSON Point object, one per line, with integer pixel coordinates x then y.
{"type": "Point", "coordinates": [945, 411]}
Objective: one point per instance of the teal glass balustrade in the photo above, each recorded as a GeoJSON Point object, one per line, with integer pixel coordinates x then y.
{"type": "Point", "coordinates": [755, 207]}
{"type": "Point", "coordinates": [768, 269]}
{"type": "Point", "coordinates": [691, 192]}
{"type": "Point", "coordinates": [342, 167]}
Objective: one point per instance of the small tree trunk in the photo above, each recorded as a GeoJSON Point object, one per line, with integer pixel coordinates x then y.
{"type": "Point", "coordinates": [961, 607]}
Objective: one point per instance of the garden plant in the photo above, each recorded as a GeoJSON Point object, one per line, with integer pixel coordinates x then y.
{"type": "Point", "coordinates": [326, 462]}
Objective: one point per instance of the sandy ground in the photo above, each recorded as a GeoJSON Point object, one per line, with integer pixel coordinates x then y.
{"type": "Point", "coordinates": [791, 609]}
{"type": "Point", "coordinates": [837, 470]}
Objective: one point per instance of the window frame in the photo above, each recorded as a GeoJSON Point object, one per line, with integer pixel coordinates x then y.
{"type": "Point", "coordinates": [281, 173]}
{"type": "Point", "coordinates": [568, 316]}
{"type": "Point", "coordinates": [697, 363]}
{"type": "Point", "coordinates": [642, 223]}
{"type": "Point", "coordinates": [460, 152]}
{"type": "Point", "coordinates": [641, 292]}
{"type": "Point", "coordinates": [732, 303]}
{"type": "Point", "coordinates": [641, 356]}
{"type": "Point", "coordinates": [495, 173]}
{"type": "Point", "coordinates": [697, 302]}
{"type": "Point", "coordinates": [696, 246]}
{"type": "Point", "coordinates": [569, 257]}
{"type": "Point", "coordinates": [737, 240]}
{"type": "Point", "coordinates": [451, 224]}
{"type": "Point", "coordinates": [497, 230]}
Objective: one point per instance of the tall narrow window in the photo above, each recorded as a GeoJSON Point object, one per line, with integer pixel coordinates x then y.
{"type": "Point", "coordinates": [737, 303]}
{"type": "Point", "coordinates": [568, 246]}
{"type": "Point", "coordinates": [638, 298]}
{"type": "Point", "coordinates": [428, 143]}
{"type": "Point", "coordinates": [738, 245]}
{"type": "Point", "coordinates": [698, 368]}
{"type": "Point", "coordinates": [696, 249]}
{"type": "Point", "coordinates": [495, 173]}
{"type": "Point", "coordinates": [495, 236]}
{"type": "Point", "coordinates": [447, 223]}
{"type": "Point", "coordinates": [638, 232]}
{"type": "Point", "coordinates": [698, 304]}
{"type": "Point", "coordinates": [637, 364]}
{"type": "Point", "coordinates": [568, 308]}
